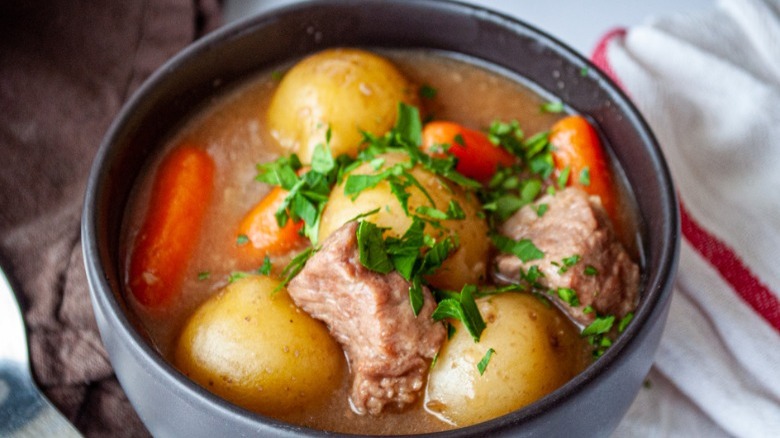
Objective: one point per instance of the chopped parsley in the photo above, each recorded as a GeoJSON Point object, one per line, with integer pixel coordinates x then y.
{"type": "Point", "coordinates": [568, 262]}
{"type": "Point", "coordinates": [597, 334]}
{"type": "Point", "coordinates": [265, 268]}
{"type": "Point", "coordinates": [585, 176]}
{"type": "Point", "coordinates": [371, 246]}
{"type": "Point", "coordinates": [242, 240]}
{"type": "Point", "coordinates": [482, 365]}
{"type": "Point", "coordinates": [524, 249]}
{"type": "Point", "coordinates": [235, 276]}
{"type": "Point", "coordinates": [590, 270]}
{"type": "Point", "coordinates": [541, 209]}
{"type": "Point", "coordinates": [464, 309]}
{"type": "Point", "coordinates": [552, 107]}
{"type": "Point", "coordinates": [568, 296]}
{"type": "Point", "coordinates": [563, 177]}
{"type": "Point", "coordinates": [204, 275]}
{"type": "Point", "coordinates": [625, 321]}
{"type": "Point", "coordinates": [599, 326]}
{"type": "Point", "coordinates": [295, 266]}
{"type": "Point", "coordinates": [307, 192]}
{"type": "Point", "coordinates": [428, 92]}
{"type": "Point", "coordinates": [459, 140]}
{"type": "Point", "coordinates": [584, 71]}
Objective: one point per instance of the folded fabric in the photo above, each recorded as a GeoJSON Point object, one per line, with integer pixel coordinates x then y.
{"type": "Point", "coordinates": [65, 70]}
{"type": "Point", "coordinates": [709, 86]}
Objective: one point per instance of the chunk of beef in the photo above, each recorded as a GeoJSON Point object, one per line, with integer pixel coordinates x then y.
{"type": "Point", "coordinates": [388, 347]}
{"type": "Point", "coordinates": [575, 224]}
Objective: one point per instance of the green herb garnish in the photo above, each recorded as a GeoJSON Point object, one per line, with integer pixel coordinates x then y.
{"type": "Point", "coordinates": [235, 276]}
{"type": "Point", "coordinates": [265, 268]}
{"type": "Point", "coordinates": [568, 262]}
{"type": "Point", "coordinates": [625, 321]}
{"type": "Point", "coordinates": [568, 296]}
{"type": "Point", "coordinates": [482, 365]}
{"type": "Point", "coordinates": [599, 326]}
{"type": "Point", "coordinates": [295, 266]}
{"type": "Point", "coordinates": [552, 107]}
{"type": "Point", "coordinates": [463, 309]}
{"type": "Point", "coordinates": [563, 177]}
{"type": "Point", "coordinates": [524, 249]}
{"type": "Point", "coordinates": [428, 92]}
{"type": "Point", "coordinates": [585, 176]}
{"type": "Point", "coordinates": [371, 247]}
{"type": "Point", "coordinates": [590, 270]}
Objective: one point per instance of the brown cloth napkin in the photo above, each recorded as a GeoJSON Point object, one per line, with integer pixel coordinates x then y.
{"type": "Point", "coordinates": [66, 67]}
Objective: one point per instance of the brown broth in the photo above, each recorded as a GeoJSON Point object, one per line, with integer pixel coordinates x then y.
{"type": "Point", "coordinates": [232, 129]}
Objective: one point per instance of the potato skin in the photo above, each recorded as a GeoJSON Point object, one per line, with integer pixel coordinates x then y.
{"type": "Point", "coordinates": [536, 351]}
{"type": "Point", "coordinates": [466, 265]}
{"type": "Point", "coordinates": [346, 90]}
{"type": "Point", "coordinates": [256, 349]}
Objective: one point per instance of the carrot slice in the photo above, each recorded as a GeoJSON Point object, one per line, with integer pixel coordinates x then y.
{"type": "Point", "coordinates": [180, 198]}
{"type": "Point", "coordinates": [263, 232]}
{"type": "Point", "coordinates": [478, 158]}
{"type": "Point", "coordinates": [578, 148]}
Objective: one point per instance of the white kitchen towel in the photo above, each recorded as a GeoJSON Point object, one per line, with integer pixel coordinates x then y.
{"type": "Point", "coordinates": [709, 86]}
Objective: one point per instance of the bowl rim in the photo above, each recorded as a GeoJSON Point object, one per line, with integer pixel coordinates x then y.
{"type": "Point", "coordinates": [655, 290]}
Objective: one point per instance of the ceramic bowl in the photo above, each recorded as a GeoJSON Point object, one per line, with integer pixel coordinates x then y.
{"type": "Point", "coordinates": [169, 404]}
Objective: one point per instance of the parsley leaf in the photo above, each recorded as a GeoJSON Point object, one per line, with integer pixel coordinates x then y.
{"type": "Point", "coordinates": [408, 124]}
{"type": "Point", "coordinates": [568, 296]}
{"type": "Point", "coordinates": [563, 177]}
{"type": "Point", "coordinates": [371, 248]}
{"type": "Point", "coordinates": [590, 270]}
{"type": "Point", "coordinates": [322, 160]}
{"type": "Point", "coordinates": [242, 240]}
{"type": "Point", "coordinates": [482, 365]}
{"type": "Point", "coordinates": [552, 107]}
{"type": "Point", "coordinates": [463, 309]}
{"type": "Point", "coordinates": [235, 276]}
{"type": "Point", "coordinates": [265, 268]}
{"type": "Point", "coordinates": [428, 92]}
{"type": "Point", "coordinates": [599, 326]}
{"type": "Point", "coordinates": [295, 266]}
{"type": "Point", "coordinates": [585, 176]}
{"type": "Point", "coordinates": [524, 249]}
{"type": "Point", "coordinates": [625, 321]}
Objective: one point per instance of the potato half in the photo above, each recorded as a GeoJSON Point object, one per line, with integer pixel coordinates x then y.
{"type": "Point", "coordinates": [466, 265]}
{"type": "Point", "coordinates": [255, 348]}
{"type": "Point", "coordinates": [345, 90]}
{"type": "Point", "coordinates": [536, 350]}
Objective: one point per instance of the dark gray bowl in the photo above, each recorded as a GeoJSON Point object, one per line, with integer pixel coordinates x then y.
{"type": "Point", "coordinates": [591, 404]}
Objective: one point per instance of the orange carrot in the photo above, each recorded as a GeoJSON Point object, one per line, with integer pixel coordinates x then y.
{"type": "Point", "coordinates": [478, 158]}
{"type": "Point", "coordinates": [577, 146]}
{"type": "Point", "coordinates": [263, 232]}
{"type": "Point", "coordinates": [180, 197]}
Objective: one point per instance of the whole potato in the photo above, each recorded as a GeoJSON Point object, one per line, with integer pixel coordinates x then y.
{"type": "Point", "coordinates": [466, 265]}
{"type": "Point", "coordinates": [344, 90]}
{"type": "Point", "coordinates": [254, 348]}
{"type": "Point", "coordinates": [536, 351]}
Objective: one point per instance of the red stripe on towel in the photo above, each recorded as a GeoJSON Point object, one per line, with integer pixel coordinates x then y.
{"type": "Point", "coordinates": [718, 254]}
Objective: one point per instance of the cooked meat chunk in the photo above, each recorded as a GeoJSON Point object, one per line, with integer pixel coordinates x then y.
{"type": "Point", "coordinates": [388, 347]}
{"type": "Point", "coordinates": [581, 253]}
